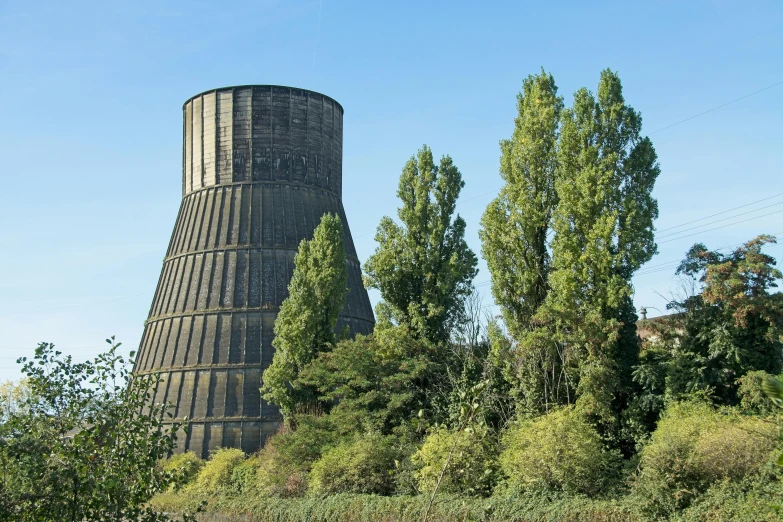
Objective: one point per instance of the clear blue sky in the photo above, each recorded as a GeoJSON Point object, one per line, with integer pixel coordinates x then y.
{"type": "Point", "coordinates": [90, 141]}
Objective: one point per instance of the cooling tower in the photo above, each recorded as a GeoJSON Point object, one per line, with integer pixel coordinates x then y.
{"type": "Point", "coordinates": [261, 165]}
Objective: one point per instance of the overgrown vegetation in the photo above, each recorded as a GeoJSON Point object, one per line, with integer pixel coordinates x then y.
{"type": "Point", "coordinates": [308, 316]}
{"type": "Point", "coordinates": [555, 411]}
{"type": "Point", "coordinates": [81, 442]}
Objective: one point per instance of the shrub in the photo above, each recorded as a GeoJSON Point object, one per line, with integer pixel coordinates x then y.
{"type": "Point", "coordinates": [364, 465]}
{"type": "Point", "coordinates": [559, 451]}
{"type": "Point", "coordinates": [471, 468]}
{"type": "Point", "coordinates": [81, 441]}
{"type": "Point", "coordinates": [734, 450]}
{"type": "Point", "coordinates": [278, 475]}
{"type": "Point", "coordinates": [751, 500]}
{"type": "Point", "coordinates": [187, 464]}
{"type": "Point", "coordinates": [752, 400]}
{"type": "Point", "coordinates": [286, 458]}
{"type": "Point", "coordinates": [244, 476]}
{"type": "Point", "coordinates": [695, 446]}
{"type": "Point", "coordinates": [215, 476]}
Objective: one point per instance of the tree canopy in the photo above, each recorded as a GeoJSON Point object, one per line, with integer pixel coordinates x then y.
{"type": "Point", "coordinates": [423, 266]}
{"type": "Point", "coordinates": [572, 223]}
{"type": "Point", "coordinates": [307, 319]}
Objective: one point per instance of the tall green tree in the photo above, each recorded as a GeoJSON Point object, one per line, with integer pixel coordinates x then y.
{"type": "Point", "coordinates": [423, 266]}
{"type": "Point", "coordinates": [306, 322]}
{"type": "Point", "coordinates": [603, 233]}
{"type": "Point", "coordinates": [516, 239]}
{"type": "Point", "coordinates": [562, 240]}
{"type": "Point", "coordinates": [515, 226]}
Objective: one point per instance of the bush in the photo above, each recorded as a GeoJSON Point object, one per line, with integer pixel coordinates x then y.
{"type": "Point", "coordinates": [472, 468]}
{"type": "Point", "coordinates": [244, 476]}
{"type": "Point", "coordinates": [81, 441]}
{"type": "Point", "coordinates": [277, 475]}
{"type": "Point", "coordinates": [733, 451]}
{"type": "Point", "coordinates": [752, 500]}
{"type": "Point", "coordinates": [215, 476]}
{"type": "Point", "coordinates": [364, 465]}
{"type": "Point", "coordinates": [559, 451]}
{"type": "Point", "coordinates": [187, 465]}
{"type": "Point", "coordinates": [693, 447]}
{"type": "Point", "coordinates": [286, 458]}
{"type": "Point", "coordinates": [752, 400]}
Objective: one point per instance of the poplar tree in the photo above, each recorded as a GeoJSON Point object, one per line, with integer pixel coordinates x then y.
{"type": "Point", "coordinates": [306, 322]}
{"type": "Point", "coordinates": [515, 225]}
{"type": "Point", "coordinates": [515, 237]}
{"type": "Point", "coordinates": [603, 233]}
{"type": "Point", "coordinates": [423, 266]}
{"type": "Point", "coordinates": [562, 240]}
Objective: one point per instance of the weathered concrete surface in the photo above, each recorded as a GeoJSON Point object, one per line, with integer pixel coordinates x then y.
{"type": "Point", "coordinates": [261, 165]}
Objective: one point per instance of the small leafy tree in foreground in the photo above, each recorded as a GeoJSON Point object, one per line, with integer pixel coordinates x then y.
{"type": "Point", "coordinates": [456, 461]}
{"type": "Point", "coordinates": [85, 444]}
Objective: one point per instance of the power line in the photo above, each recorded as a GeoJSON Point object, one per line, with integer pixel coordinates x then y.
{"type": "Point", "coordinates": [666, 269]}
{"type": "Point", "coordinates": [667, 263]}
{"type": "Point", "coordinates": [723, 226]}
{"type": "Point", "coordinates": [719, 220]}
{"type": "Point", "coordinates": [460, 202]}
{"type": "Point", "coordinates": [673, 264]}
{"type": "Point", "coordinates": [661, 264]}
{"type": "Point", "coordinates": [479, 196]}
{"type": "Point", "coordinates": [723, 212]}
{"type": "Point", "coordinates": [718, 107]}
{"type": "Point", "coordinates": [659, 130]}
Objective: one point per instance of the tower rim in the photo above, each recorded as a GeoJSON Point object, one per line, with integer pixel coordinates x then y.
{"type": "Point", "coordinates": [244, 86]}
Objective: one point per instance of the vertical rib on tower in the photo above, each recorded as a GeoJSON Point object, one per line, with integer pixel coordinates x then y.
{"type": "Point", "coordinates": [261, 165]}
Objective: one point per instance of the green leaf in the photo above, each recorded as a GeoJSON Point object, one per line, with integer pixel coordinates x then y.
{"type": "Point", "coordinates": [773, 388]}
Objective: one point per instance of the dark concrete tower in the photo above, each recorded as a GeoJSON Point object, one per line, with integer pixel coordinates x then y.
{"type": "Point", "coordinates": [261, 165]}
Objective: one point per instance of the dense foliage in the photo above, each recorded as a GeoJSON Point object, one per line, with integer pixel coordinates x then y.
{"type": "Point", "coordinates": [569, 228]}
{"type": "Point", "coordinates": [361, 465]}
{"type": "Point", "coordinates": [79, 443]}
{"type": "Point", "coordinates": [407, 423]}
{"type": "Point", "coordinates": [557, 410]}
{"type": "Point", "coordinates": [306, 321]}
{"type": "Point", "coordinates": [471, 459]}
{"type": "Point", "coordinates": [423, 266]}
{"type": "Point", "coordinates": [695, 447]}
{"type": "Point", "coordinates": [559, 451]}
